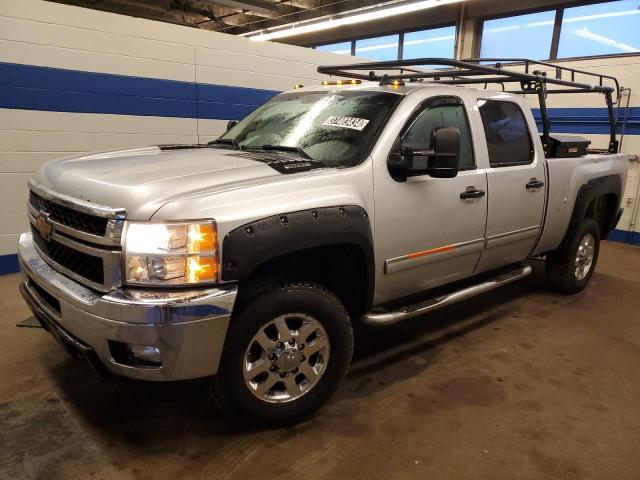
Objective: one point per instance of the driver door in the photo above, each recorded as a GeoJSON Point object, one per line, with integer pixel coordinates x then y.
{"type": "Point", "coordinates": [429, 231]}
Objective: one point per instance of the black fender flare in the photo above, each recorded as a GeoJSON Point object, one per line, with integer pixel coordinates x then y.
{"type": "Point", "coordinates": [247, 247]}
{"type": "Point", "coordinates": [594, 188]}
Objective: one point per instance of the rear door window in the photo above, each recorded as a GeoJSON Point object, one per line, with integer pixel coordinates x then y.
{"type": "Point", "coordinates": [508, 138]}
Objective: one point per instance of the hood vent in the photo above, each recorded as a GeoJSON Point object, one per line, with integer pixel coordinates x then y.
{"type": "Point", "coordinates": [281, 161]}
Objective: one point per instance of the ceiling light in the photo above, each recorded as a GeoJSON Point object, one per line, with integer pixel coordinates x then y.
{"type": "Point", "coordinates": [332, 22]}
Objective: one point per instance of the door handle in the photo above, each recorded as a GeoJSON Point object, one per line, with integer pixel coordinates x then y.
{"type": "Point", "coordinates": [534, 183]}
{"type": "Point", "coordinates": [472, 192]}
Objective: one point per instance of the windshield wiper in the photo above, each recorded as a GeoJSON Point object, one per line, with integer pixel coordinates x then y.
{"type": "Point", "coordinates": [281, 148]}
{"type": "Point", "coordinates": [225, 141]}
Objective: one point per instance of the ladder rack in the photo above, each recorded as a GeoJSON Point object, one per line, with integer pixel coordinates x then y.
{"type": "Point", "coordinates": [531, 76]}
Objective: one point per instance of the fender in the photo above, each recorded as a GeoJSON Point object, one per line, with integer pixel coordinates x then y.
{"type": "Point", "coordinates": [254, 243]}
{"type": "Point", "coordinates": [592, 189]}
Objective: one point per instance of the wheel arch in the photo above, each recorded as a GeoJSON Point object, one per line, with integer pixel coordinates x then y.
{"type": "Point", "coordinates": [599, 199]}
{"type": "Point", "coordinates": [332, 245]}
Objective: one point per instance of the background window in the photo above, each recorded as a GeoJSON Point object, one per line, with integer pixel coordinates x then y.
{"type": "Point", "coordinates": [437, 42]}
{"type": "Point", "coordinates": [343, 48]}
{"type": "Point", "coordinates": [600, 29]}
{"type": "Point", "coordinates": [418, 137]}
{"type": "Point", "coordinates": [521, 36]}
{"type": "Point", "coordinates": [507, 133]}
{"type": "Point", "coordinates": [378, 48]}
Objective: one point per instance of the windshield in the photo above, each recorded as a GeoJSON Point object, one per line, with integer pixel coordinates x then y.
{"type": "Point", "coordinates": [335, 128]}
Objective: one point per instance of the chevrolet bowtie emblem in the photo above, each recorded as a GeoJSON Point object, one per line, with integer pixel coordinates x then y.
{"type": "Point", "coordinates": [44, 226]}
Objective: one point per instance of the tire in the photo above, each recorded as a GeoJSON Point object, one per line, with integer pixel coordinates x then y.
{"type": "Point", "coordinates": [565, 271]}
{"type": "Point", "coordinates": [254, 334]}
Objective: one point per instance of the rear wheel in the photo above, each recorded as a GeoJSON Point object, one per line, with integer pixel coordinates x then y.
{"type": "Point", "coordinates": [570, 267]}
{"type": "Point", "coordinates": [286, 352]}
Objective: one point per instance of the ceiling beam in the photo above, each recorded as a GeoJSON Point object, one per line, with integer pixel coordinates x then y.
{"type": "Point", "coordinates": [138, 8]}
{"type": "Point", "coordinates": [259, 6]}
{"type": "Point", "coordinates": [206, 12]}
{"type": "Point", "coordinates": [314, 9]}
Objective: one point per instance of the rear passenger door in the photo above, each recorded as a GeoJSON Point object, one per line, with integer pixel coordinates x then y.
{"type": "Point", "coordinates": [516, 182]}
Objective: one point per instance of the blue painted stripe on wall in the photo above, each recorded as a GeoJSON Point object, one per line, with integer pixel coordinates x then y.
{"type": "Point", "coordinates": [53, 89]}
{"type": "Point", "coordinates": [624, 236]}
{"type": "Point", "coordinates": [56, 79]}
{"type": "Point", "coordinates": [589, 120]}
{"type": "Point", "coordinates": [8, 264]}
{"type": "Point", "coordinates": [31, 87]}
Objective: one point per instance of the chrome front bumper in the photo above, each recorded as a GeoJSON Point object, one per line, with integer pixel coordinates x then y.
{"type": "Point", "coordinates": [188, 327]}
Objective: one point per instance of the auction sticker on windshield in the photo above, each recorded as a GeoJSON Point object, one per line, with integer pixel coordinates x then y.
{"type": "Point", "coordinates": [346, 122]}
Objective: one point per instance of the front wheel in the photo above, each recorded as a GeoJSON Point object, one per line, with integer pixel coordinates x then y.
{"type": "Point", "coordinates": [570, 267]}
{"type": "Point", "coordinates": [286, 352]}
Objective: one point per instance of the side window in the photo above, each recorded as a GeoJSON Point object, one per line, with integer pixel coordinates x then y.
{"type": "Point", "coordinates": [507, 132]}
{"type": "Point", "coordinates": [449, 114]}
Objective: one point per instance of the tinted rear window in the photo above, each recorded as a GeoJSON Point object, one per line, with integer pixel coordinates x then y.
{"type": "Point", "coordinates": [507, 132]}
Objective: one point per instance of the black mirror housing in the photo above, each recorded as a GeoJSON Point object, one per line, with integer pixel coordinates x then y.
{"type": "Point", "coordinates": [442, 161]}
{"type": "Point", "coordinates": [446, 145]}
{"type": "Point", "coordinates": [231, 124]}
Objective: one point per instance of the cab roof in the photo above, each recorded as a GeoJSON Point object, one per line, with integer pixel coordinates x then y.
{"type": "Point", "coordinates": [402, 89]}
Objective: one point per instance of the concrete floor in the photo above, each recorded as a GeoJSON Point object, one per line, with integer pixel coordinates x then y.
{"type": "Point", "coordinates": [519, 383]}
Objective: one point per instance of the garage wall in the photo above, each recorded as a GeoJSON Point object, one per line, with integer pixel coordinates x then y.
{"type": "Point", "coordinates": [74, 80]}
{"type": "Point", "coordinates": [586, 115]}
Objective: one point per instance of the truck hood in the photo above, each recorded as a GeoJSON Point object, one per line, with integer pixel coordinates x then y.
{"type": "Point", "coordinates": [141, 180]}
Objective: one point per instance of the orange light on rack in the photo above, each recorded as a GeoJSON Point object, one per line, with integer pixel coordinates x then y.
{"type": "Point", "coordinates": [326, 83]}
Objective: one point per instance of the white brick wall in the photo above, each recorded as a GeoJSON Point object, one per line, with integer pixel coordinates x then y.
{"type": "Point", "coordinates": [40, 33]}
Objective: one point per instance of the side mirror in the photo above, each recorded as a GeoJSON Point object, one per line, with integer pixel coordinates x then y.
{"type": "Point", "coordinates": [442, 159]}
{"type": "Point", "coordinates": [446, 145]}
{"type": "Point", "coordinates": [231, 124]}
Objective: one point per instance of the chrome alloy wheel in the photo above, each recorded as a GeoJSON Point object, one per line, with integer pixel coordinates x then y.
{"type": "Point", "coordinates": [584, 256]}
{"type": "Point", "coordinates": [286, 358]}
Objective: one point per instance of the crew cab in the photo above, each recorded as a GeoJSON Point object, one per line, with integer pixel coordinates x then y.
{"type": "Point", "coordinates": [250, 258]}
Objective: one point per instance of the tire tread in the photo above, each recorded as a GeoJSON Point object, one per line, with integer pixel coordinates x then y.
{"type": "Point", "coordinates": [559, 263]}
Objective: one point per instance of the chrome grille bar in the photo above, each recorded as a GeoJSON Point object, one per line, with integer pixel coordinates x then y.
{"type": "Point", "coordinates": [114, 216]}
{"type": "Point", "coordinates": [70, 235]}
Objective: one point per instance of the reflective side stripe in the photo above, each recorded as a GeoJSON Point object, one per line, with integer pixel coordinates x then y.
{"type": "Point", "coordinates": [432, 255]}
{"type": "Point", "coordinates": [430, 252]}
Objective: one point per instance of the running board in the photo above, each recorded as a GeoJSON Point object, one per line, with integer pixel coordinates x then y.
{"type": "Point", "coordinates": [387, 318]}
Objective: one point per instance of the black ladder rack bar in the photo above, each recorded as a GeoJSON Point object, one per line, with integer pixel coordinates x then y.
{"type": "Point", "coordinates": [558, 69]}
{"type": "Point", "coordinates": [472, 71]}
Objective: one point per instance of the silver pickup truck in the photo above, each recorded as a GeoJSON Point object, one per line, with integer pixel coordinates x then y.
{"type": "Point", "coordinates": [250, 258]}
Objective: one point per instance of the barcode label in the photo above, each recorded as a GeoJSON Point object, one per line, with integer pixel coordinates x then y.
{"type": "Point", "coordinates": [346, 122]}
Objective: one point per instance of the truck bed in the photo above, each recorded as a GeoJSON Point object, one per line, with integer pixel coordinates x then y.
{"type": "Point", "coordinates": [565, 176]}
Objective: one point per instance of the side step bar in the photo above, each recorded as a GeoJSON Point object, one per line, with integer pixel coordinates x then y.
{"type": "Point", "coordinates": [409, 311]}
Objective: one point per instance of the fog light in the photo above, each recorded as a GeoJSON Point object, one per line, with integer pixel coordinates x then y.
{"type": "Point", "coordinates": [145, 354]}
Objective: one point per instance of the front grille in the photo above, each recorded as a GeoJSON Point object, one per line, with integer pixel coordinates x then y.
{"type": "Point", "coordinates": [87, 266]}
{"type": "Point", "coordinates": [49, 299]}
{"type": "Point", "coordinates": [69, 217]}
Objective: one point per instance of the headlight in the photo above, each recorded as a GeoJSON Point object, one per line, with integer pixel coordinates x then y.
{"type": "Point", "coordinates": [173, 253]}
